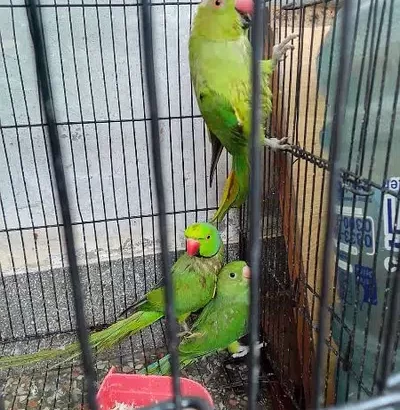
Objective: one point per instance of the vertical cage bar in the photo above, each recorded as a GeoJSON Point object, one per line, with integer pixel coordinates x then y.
{"type": "Point", "coordinates": [334, 177]}
{"type": "Point", "coordinates": [255, 200]}
{"type": "Point", "coordinates": [389, 340]}
{"type": "Point", "coordinates": [45, 89]}
{"type": "Point", "coordinates": [383, 366]}
{"type": "Point", "coordinates": [172, 327]}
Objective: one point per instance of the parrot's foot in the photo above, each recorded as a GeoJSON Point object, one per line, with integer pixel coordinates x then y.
{"type": "Point", "coordinates": [184, 333]}
{"type": "Point", "coordinates": [276, 144]}
{"type": "Point", "coordinates": [185, 326]}
{"type": "Point", "coordinates": [186, 329]}
{"type": "Point", "coordinates": [279, 50]}
{"type": "Point", "coordinates": [195, 334]}
{"type": "Point", "coordinates": [244, 350]}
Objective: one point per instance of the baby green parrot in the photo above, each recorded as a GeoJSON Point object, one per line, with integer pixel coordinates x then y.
{"type": "Point", "coordinates": [194, 277]}
{"type": "Point", "coordinates": [220, 68]}
{"type": "Point", "coordinates": [221, 323]}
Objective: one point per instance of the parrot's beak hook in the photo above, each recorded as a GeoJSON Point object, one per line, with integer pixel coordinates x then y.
{"type": "Point", "coordinates": [246, 272]}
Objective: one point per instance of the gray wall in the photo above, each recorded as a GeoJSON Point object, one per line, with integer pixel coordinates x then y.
{"type": "Point", "coordinates": [95, 60]}
{"type": "Point", "coordinates": [96, 66]}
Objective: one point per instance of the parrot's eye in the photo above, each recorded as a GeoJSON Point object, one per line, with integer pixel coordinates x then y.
{"type": "Point", "coordinates": [218, 3]}
{"type": "Point", "coordinates": [232, 275]}
{"type": "Point", "coordinates": [209, 236]}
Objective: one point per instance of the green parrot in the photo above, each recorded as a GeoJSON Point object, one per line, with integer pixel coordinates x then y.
{"type": "Point", "coordinates": [220, 68]}
{"type": "Point", "coordinates": [220, 324]}
{"type": "Point", "coordinates": [194, 277]}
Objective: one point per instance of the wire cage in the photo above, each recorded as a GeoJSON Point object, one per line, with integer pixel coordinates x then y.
{"type": "Point", "coordinates": [104, 161]}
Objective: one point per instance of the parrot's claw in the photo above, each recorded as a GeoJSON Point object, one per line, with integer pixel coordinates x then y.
{"type": "Point", "coordinates": [276, 144]}
{"type": "Point", "coordinates": [279, 50]}
{"type": "Point", "coordinates": [244, 350]}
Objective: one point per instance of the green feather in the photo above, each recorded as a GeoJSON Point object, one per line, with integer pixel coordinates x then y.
{"type": "Point", "coordinates": [222, 322]}
{"type": "Point", "coordinates": [100, 341]}
{"type": "Point", "coordinates": [220, 67]}
{"type": "Point", "coordinates": [194, 281]}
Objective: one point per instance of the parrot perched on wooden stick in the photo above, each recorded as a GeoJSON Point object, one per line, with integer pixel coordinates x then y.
{"type": "Point", "coordinates": [194, 277]}
{"type": "Point", "coordinates": [220, 324]}
{"type": "Point", "coordinates": [220, 67]}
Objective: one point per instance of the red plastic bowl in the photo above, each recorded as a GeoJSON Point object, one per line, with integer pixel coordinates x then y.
{"type": "Point", "coordinates": [141, 390]}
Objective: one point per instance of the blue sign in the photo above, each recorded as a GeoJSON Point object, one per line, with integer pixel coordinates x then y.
{"type": "Point", "coordinates": [357, 231]}
{"type": "Point", "coordinates": [366, 279]}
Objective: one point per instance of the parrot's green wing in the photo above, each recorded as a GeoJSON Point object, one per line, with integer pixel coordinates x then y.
{"type": "Point", "coordinates": [187, 278]}
{"type": "Point", "coordinates": [223, 119]}
{"type": "Point", "coordinates": [143, 302]}
{"type": "Point", "coordinates": [153, 300]}
{"type": "Point", "coordinates": [156, 296]}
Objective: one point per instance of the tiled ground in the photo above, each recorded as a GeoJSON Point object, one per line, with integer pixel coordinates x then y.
{"type": "Point", "coordinates": [44, 388]}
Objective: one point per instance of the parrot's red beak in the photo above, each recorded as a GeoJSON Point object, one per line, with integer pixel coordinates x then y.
{"type": "Point", "coordinates": [244, 6]}
{"type": "Point", "coordinates": [192, 247]}
{"type": "Point", "coordinates": [246, 272]}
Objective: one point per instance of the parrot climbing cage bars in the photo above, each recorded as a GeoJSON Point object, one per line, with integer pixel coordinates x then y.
{"type": "Point", "coordinates": [388, 387]}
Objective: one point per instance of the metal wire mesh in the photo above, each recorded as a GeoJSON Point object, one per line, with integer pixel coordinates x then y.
{"type": "Point", "coordinates": [331, 313]}
{"type": "Point", "coordinates": [354, 181]}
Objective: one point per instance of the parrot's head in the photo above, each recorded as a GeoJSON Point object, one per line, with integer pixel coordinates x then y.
{"type": "Point", "coordinates": [222, 19]}
{"type": "Point", "coordinates": [202, 239]}
{"type": "Point", "coordinates": [233, 279]}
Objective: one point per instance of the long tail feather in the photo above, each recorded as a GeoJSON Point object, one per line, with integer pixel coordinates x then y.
{"type": "Point", "coordinates": [216, 151]}
{"type": "Point", "coordinates": [235, 189]}
{"type": "Point", "coordinates": [163, 366]}
{"type": "Point", "coordinates": [134, 307]}
{"type": "Point", "coordinates": [100, 341]}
